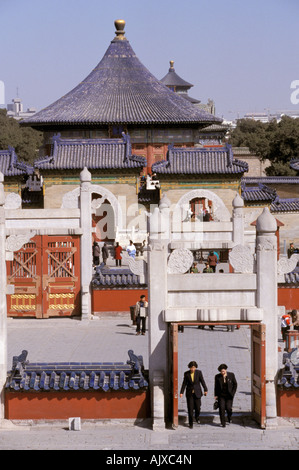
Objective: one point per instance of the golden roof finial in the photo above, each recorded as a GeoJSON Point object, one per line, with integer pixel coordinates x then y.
{"type": "Point", "coordinates": [120, 26]}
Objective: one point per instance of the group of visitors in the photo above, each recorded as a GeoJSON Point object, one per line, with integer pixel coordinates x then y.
{"type": "Point", "coordinates": [210, 264]}
{"type": "Point", "coordinates": [97, 251]}
{"type": "Point", "coordinates": [225, 386]}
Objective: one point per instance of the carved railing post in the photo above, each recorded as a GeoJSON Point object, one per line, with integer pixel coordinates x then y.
{"type": "Point", "coordinates": [238, 220]}
{"type": "Point", "coordinates": [86, 243]}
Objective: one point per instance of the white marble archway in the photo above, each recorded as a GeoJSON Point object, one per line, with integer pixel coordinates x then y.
{"type": "Point", "coordinates": [71, 201]}
{"type": "Point", "coordinates": [220, 211]}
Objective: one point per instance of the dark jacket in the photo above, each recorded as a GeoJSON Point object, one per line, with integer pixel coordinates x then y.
{"type": "Point", "coordinates": [105, 252]}
{"type": "Point", "coordinates": [231, 384]}
{"type": "Point", "coordinates": [196, 385]}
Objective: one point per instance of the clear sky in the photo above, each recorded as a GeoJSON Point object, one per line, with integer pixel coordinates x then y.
{"type": "Point", "coordinates": [242, 54]}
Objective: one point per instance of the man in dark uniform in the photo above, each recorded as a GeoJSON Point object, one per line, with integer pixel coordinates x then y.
{"type": "Point", "coordinates": [193, 380]}
{"type": "Point", "coordinates": [225, 389]}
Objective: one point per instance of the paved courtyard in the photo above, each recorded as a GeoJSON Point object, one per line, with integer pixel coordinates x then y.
{"type": "Point", "coordinates": [109, 339]}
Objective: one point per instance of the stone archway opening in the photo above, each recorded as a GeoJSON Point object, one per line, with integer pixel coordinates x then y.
{"type": "Point", "coordinates": [240, 346]}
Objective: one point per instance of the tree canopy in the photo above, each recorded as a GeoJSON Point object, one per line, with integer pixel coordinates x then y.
{"type": "Point", "coordinates": [25, 140]}
{"type": "Point", "coordinates": [275, 141]}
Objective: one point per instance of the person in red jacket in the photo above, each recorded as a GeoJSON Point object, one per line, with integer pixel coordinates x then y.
{"type": "Point", "coordinates": [118, 249]}
{"type": "Point", "coordinates": [286, 321]}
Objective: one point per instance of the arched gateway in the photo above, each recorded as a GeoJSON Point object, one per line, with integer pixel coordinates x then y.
{"type": "Point", "coordinates": [245, 296]}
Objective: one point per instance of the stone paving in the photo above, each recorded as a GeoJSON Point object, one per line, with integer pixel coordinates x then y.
{"type": "Point", "coordinates": [108, 339]}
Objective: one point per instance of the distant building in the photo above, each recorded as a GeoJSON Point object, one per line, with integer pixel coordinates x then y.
{"type": "Point", "coordinates": [15, 110]}
{"type": "Point", "coordinates": [267, 117]}
{"type": "Point", "coordinates": [175, 83]}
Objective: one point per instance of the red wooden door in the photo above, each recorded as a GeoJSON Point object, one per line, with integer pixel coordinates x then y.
{"type": "Point", "coordinates": [258, 370]}
{"type": "Point", "coordinates": [61, 276]}
{"type": "Point", "coordinates": [24, 272]}
{"type": "Point", "coordinates": [46, 276]}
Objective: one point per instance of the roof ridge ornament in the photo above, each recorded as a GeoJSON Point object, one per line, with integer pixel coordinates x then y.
{"type": "Point", "coordinates": [120, 33]}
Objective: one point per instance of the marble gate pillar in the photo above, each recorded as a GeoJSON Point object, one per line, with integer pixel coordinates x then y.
{"type": "Point", "coordinates": [3, 308]}
{"type": "Point", "coordinates": [266, 268]}
{"type": "Point", "coordinates": [157, 298]}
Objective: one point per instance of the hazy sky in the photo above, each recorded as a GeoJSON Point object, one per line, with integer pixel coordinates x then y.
{"type": "Point", "coordinates": [242, 54]}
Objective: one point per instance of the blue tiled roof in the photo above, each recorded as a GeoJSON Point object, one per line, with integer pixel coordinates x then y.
{"type": "Point", "coordinates": [11, 166]}
{"type": "Point", "coordinates": [91, 153]}
{"type": "Point", "coordinates": [109, 277]}
{"type": "Point", "coordinates": [288, 377]}
{"type": "Point", "coordinates": [120, 90]}
{"type": "Point", "coordinates": [76, 376]}
{"type": "Point", "coordinates": [200, 161]}
{"type": "Point", "coordinates": [173, 79]}
{"type": "Point", "coordinates": [271, 179]}
{"type": "Point", "coordinates": [285, 205]}
{"type": "Point", "coordinates": [260, 193]}
{"type": "Point", "coordinates": [294, 164]}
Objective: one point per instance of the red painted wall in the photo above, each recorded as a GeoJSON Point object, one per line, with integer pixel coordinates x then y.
{"type": "Point", "coordinates": [287, 403]}
{"type": "Point", "coordinates": [86, 405]}
{"type": "Point", "coordinates": [288, 297]}
{"type": "Point", "coordinates": [115, 300]}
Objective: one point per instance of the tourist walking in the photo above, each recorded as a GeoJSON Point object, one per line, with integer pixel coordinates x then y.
{"type": "Point", "coordinates": [131, 249]}
{"type": "Point", "coordinates": [224, 391]}
{"type": "Point", "coordinates": [117, 254]}
{"type": "Point", "coordinates": [285, 325]}
{"type": "Point", "coordinates": [193, 382]}
{"type": "Point", "coordinates": [96, 253]}
{"type": "Point", "coordinates": [141, 314]}
{"type": "Point", "coordinates": [105, 253]}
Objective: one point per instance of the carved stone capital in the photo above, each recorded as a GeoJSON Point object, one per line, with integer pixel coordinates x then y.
{"type": "Point", "coordinates": [287, 265]}
{"type": "Point", "coordinates": [241, 259]}
{"type": "Point", "coordinates": [15, 242]}
{"type": "Point", "coordinates": [180, 261]}
{"type": "Point", "coordinates": [266, 244]}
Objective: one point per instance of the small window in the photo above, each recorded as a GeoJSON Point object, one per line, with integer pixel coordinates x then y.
{"type": "Point", "coordinates": [115, 132]}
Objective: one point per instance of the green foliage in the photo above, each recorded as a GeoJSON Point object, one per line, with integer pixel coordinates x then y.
{"type": "Point", "coordinates": [277, 142]}
{"type": "Point", "coordinates": [24, 140]}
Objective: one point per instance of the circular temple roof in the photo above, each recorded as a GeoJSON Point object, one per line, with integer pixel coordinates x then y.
{"type": "Point", "coordinates": [120, 90]}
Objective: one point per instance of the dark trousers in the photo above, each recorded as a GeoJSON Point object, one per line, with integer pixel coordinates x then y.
{"type": "Point", "coordinates": [225, 404]}
{"type": "Point", "coordinates": [118, 262]}
{"type": "Point", "coordinates": [284, 332]}
{"type": "Point", "coordinates": [193, 404]}
{"type": "Point", "coordinates": [140, 320]}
